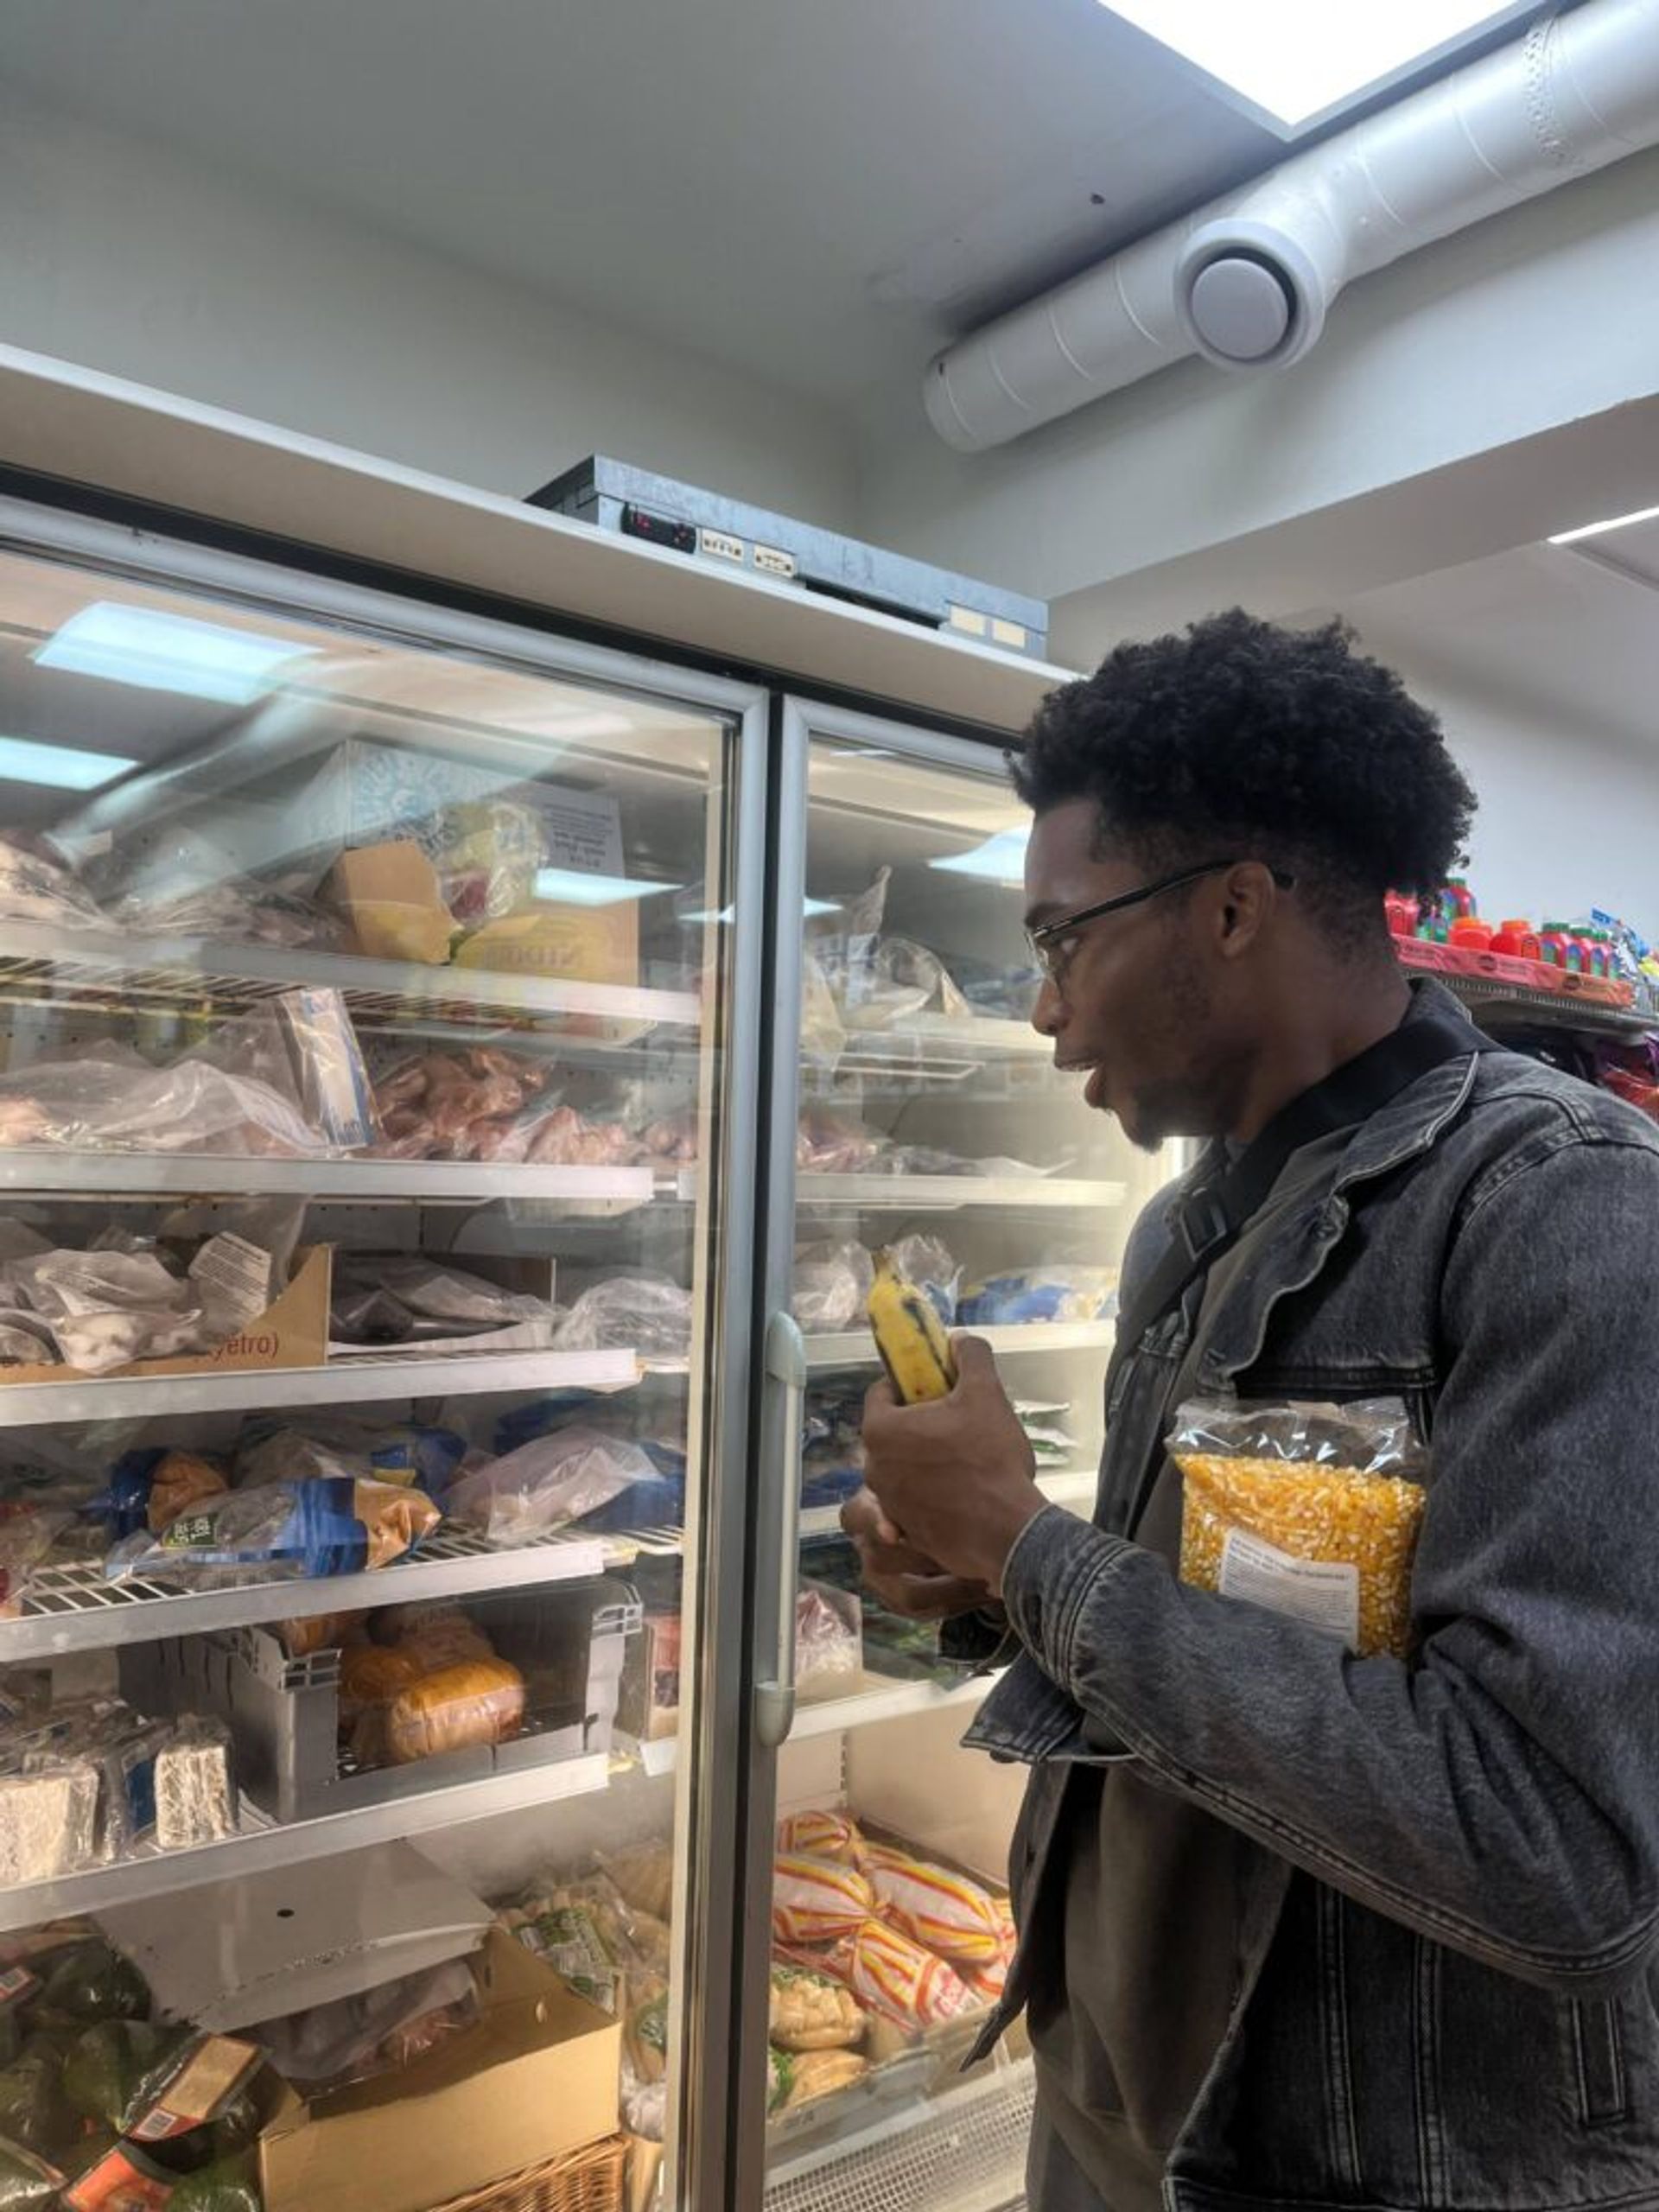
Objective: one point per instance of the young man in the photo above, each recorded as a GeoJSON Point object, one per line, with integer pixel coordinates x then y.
{"type": "Point", "coordinates": [1297, 1927]}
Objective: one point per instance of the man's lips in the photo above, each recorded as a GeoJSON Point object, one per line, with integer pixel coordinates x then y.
{"type": "Point", "coordinates": [1096, 1074]}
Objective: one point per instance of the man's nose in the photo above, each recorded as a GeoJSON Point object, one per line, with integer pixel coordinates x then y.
{"type": "Point", "coordinates": [1045, 1013]}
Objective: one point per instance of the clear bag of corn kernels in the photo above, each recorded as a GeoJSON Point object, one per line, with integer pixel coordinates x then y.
{"type": "Point", "coordinates": [1310, 1510]}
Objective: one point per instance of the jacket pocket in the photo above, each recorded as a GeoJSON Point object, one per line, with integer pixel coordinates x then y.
{"type": "Point", "coordinates": [1598, 2063]}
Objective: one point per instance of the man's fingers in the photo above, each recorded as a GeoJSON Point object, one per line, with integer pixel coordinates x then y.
{"type": "Point", "coordinates": [929, 1597]}
{"type": "Point", "coordinates": [974, 1359]}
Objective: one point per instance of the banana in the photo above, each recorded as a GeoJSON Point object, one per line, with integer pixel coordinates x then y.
{"type": "Point", "coordinates": [909, 1335]}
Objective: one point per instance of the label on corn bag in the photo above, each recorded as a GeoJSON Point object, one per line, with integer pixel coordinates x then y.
{"type": "Point", "coordinates": [1320, 1594]}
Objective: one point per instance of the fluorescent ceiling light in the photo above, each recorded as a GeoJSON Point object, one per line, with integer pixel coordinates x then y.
{"type": "Point", "coordinates": [1296, 59]}
{"type": "Point", "coordinates": [156, 651]}
{"type": "Point", "coordinates": [1000, 858]}
{"type": "Point", "coordinates": [809, 907]}
{"type": "Point", "coordinates": [24, 761]}
{"type": "Point", "coordinates": [573, 886]}
{"type": "Point", "coordinates": [1596, 528]}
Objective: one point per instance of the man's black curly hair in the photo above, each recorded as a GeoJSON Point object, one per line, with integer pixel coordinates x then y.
{"type": "Point", "coordinates": [1245, 738]}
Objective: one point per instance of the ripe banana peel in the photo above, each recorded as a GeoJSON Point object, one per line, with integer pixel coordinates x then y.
{"type": "Point", "coordinates": [909, 1335]}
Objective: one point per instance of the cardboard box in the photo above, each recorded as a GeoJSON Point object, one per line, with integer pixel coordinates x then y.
{"type": "Point", "coordinates": [292, 1331]}
{"type": "Point", "coordinates": [537, 2076]}
{"type": "Point", "coordinates": [390, 895]}
{"type": "Point", "coordinates": [582, 944]}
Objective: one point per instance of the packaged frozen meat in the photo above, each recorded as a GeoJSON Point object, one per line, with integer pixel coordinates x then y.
{"type": "Point", "coordinates": [329, 1074]}
{"type": "Point", "coordinates": [300, 1447]}
{"type": "Point", "coordinates": [895, 1977]}
{"type": "Point", "coordinates": [1055, 1293]}
{"type": "Point", "coordinates": [821, 1835]}
{"type": "Point", "coordinates": [274, 1531]}
{"type": "Point", "coordinates": [927, 1261]}
{"type": "Point", "coordinates": [38, 884]}
{"type": "Point", "coordinates": [946, 1912]}
{"type": "Point", "coordinates": [486, 853]}
{"type": "Point", "coordinates": [828, 1647]}
{"type": "Point", "coordinates": [379, 2031]}
{"type": "Point", "coordinates": [117, 1102]}
{"type": "Point", "coordinates": [832, 1281]}
{"type": "Point", "coordinates": [408, 1298]}
{"type": "Point", "coordinates": [829, 1140]}
{"type": "Point", "coordinates": [546, 1484]}
{"type": "Point", "coordinates": [645, 1313]}
{"type": "Point", "coordinates": [818, 1900]}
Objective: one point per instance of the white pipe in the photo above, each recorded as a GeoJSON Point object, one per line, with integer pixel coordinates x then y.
{"type": "Point", "coordinates": [1246, 281]}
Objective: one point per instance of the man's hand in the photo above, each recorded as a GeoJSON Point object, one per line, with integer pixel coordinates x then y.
{"type": "Point", "coordinates": [954, 1476]}
{"type": "Point", "coordinates": [906, 1581]}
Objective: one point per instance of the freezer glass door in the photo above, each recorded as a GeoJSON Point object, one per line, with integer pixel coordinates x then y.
{"type": "Point", "coordinates": [930, 1122]}
{"type": "Point", "coordinates": [371, 1089]}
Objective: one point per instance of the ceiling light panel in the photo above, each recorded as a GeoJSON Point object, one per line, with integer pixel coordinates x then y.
{"type": "Point", "coordinates": [1296, 62]}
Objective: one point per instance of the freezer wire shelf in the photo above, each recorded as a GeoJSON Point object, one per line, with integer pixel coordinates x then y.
{"type": "Point", "coordinates": [261, 1845]}
{"type": "Point", "coordinates": [964, 2152]}
{"type": "Point", "coordinates": [885, 1697]}
{"type": "Point", "coordinates": [74, 1608]}
{"type": "Point", "coordinates": [97, 967]}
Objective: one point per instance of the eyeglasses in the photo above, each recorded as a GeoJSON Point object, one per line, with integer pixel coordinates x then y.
{"type": "Point", "coordinates": [1054, 942]}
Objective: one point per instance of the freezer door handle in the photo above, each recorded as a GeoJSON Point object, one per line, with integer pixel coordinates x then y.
{"type": "Point", "coordinates": [774, 1696]}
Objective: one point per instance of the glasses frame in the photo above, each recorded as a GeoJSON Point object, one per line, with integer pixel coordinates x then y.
{"type": "Point", "coordinates": [1049, 939]}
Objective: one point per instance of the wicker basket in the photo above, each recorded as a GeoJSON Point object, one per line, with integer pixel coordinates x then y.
{"type": "Point", "coordinates": [593, 2179]}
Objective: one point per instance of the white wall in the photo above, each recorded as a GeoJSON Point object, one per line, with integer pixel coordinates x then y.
{"type": "Point", "coordinates": [121, 257]}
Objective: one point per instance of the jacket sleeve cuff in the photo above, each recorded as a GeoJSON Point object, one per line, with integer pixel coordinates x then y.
{"type": "Point", "coordinates": [981, 1640]}
{"type": "Point", "coordinates": [1056, 1564]}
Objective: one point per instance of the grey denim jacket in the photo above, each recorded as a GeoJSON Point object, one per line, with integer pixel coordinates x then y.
{"type": "Point", "coordinates": [1446, 1993]}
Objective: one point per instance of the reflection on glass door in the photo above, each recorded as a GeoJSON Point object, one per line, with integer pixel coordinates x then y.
{"type": "Point", "coordinates": [362, 1112]}
{"type": "Point", "coordinates": [931, 1123]}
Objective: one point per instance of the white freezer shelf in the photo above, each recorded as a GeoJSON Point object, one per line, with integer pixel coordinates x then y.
{"type": "Point", "coordinates": [855, 1348]}
{"type": "Point", "coordinates": [951, 1194]}
{"type": "Point", "coordinates": [587, 1189]}
{"type": "Point", "coordinates": [882, 1698]}
{"type": "Point", "coordinates": [342, 1381]}
{"type": "Point", "coordinates": [75, 1608]}
{"type": "Point", "coordinates": [262, 1845]}
{"type": "Point", "coordinates": [1074, 1487]}
{"type": "Point", "coordinates": [186, 969]}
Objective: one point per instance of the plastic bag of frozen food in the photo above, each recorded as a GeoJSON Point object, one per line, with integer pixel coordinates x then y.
{"type": "Point", "coordinates": [37, 884]}
{"type": "Point", "coordinates": [486, 853]}
{"type": "Point", "coordinates": [547, 1484]}
{"type": "Point", "coordinates": [106, 1308]}
{"type": "Point", "coordinates": [471, 1703]}
{"type": "Point", "coordinates": [275, 1531]}
{"type": "Point", "coordinates": [831, 1284]}
{"type": "Point", "coordinates": [644, 1314]}
{"type": "Point", "coordinates": [240, 911]}
{"type": "Point", "coordinates": [926, 1262]}
{"type": "Point", "coordinates": [49, 1821]}
{"type": "Point", "coordinates": [120, 1102]}
{"type": "Point", "coordinates": [375, 2031]}
{"type": "Point", "coordinates": [400, 1299]}
{"type": "Point", "coordinates": [28, 1533]}
{"type": "Point", "coordinates": [843, 940]}
{"type": "Point", "coordinates": [907, 978]}
{"type": "Point", "coordinates": [824, 1034]}
{"type": "Point", "coordinates": [1310, 1510]}
{"type": "Point", "coordinates": [1057, 1293]}
{"type": "Point", "coordinates": [301, 1447]}
{"type": "Point", "coordinates": [828, 1649]}
{"type": "Point", "coordinates": [27, 2183]}
{"type": "Point", "coordinates": [150, 1487]}
{"type": "Point", "coordinates": [829, 1141]}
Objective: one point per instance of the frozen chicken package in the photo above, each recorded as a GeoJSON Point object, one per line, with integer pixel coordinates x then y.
{"type": "Point", "coordinates": [1311, 1510]}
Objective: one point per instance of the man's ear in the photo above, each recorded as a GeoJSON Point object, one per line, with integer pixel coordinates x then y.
{"type": "Point", "coordinates": [1245, 898]}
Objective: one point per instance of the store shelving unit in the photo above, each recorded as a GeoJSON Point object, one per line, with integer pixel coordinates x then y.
{"type": "Point", "coordinates": [853, 1347]}
{"type": "Point", "coordinates": [583, 1191]}
{"type": "Point", "coordinates": [877, 1194]}
{"type": "Point", "coordinates": [1501, 1006]}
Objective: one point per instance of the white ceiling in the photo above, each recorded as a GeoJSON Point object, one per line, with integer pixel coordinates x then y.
{"type": "Point", "coordinates": [818, 190]}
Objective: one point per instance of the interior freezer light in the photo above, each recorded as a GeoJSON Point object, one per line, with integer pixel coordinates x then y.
{"type": "Point", "coordinates": [1000, 858]}
{"type": "Point", "coordinates": [22, 761]}
{"type": "Point", "coordinates": [575, 887]}
{"type": "Point", "coordinates": [1596, 528]}
{"type": "Point", "coordinates": [1297, 60]}
{"type": "Point", "coordinates": [156, 651]}
{"type": "Point", "coordinates": [809, 907]}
